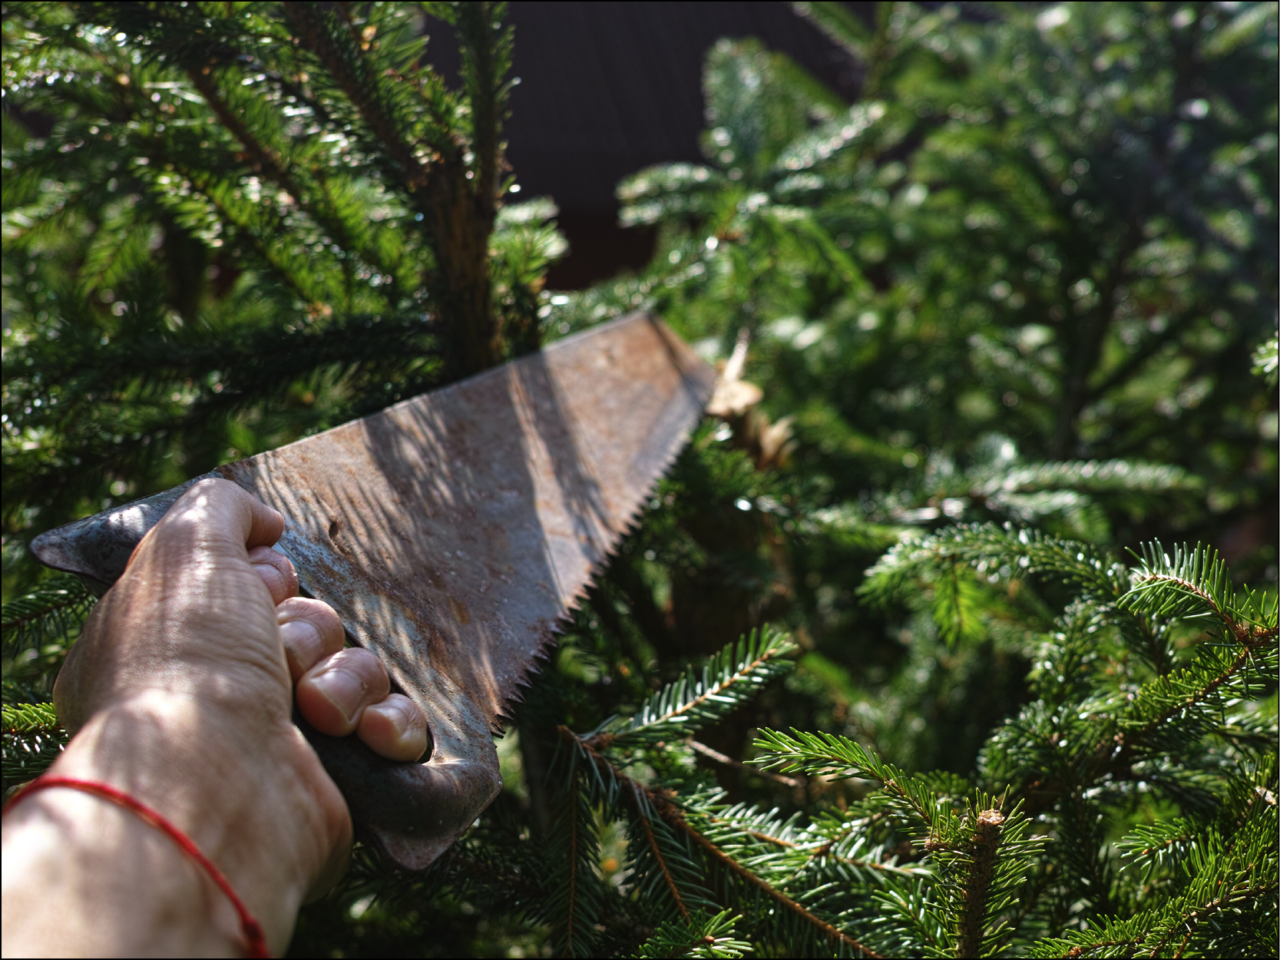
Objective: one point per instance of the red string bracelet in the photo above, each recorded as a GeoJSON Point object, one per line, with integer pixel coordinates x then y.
{"type": "Point", "coordinates": [257, 942]}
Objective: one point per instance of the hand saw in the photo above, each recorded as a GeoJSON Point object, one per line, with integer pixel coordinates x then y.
{"type": "Point", "coordinates": [451, 532]}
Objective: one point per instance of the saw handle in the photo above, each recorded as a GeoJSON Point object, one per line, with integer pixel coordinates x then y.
{"type": "Point", "coordinates": [412, 811]}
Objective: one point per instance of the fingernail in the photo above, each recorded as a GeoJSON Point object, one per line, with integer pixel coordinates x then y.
{"type": "Point", "coordinates": [302, 644]}
{"type": "Point", "coordinates": [270, 574]}
{"type": "Point", "coordinates": [410, 735]}
{"type": "Point", "coordinates": [343, 689]}
{"type": "Point", "coordinates": [398, 714]}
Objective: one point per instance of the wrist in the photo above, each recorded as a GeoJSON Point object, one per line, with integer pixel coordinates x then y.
{"type": "Point", "coordinates": [253, 805]}
{"type": "Point", "coordinates": [83, 876]}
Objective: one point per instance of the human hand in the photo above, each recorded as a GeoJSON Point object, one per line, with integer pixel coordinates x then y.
{"type": "Point", "coordinates": [179, 692]}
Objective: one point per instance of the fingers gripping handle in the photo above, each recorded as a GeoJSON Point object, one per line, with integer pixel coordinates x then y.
{"type": "Point", "coordinates": [413, 811]}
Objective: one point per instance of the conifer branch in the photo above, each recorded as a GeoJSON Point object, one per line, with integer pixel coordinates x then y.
{"type": "Point", "coordinates": [1101, 579]}
{"type": "Point", "coordinates": [727, 679]}
{"type": "Point", "coordinates": [1205, 912]}
{"type": "Point", "coordinates": [986, 841]}
{"type": "Point", "coordinates": [459, 221]}
{"type": "Point", "coordinates": [1198, 574]}
{"type": "Point", "coordinates": [825, 754]}
{"type": "Point", "coordinates": [673, 816]}
{"type": "Point", "coordinates": [662, 863]}
{"type": "Point", "coordinates": [1152, 930]}
{"type": "Point", "coordinates": [265, 160]}
{"type": "Point", "coordinates": [348, 69]}
{"type": "Point", "coordinates": [570, 915]}
{"type": "Point", "coordinates": [490, 873]}
{"type": "Point", "coordinates": [703, 937]}
{"type": "Point", "coordinates": [271, 166]}
{"type": "Point", "coordinates": [1189, 696]}
{"type": "Point", "coordinates": [31, 739]}
{"type": "Point", "coordinates": [264, 243]}
{"type": "Point", "coordinates": [52, 609]}
{"type": "Point", "coordinates": [1027, 551]}
{"type": "Point", "coordinates": [30, 718]}
{"type": "Point", "coordinates": [824, 850]}
{"type": "Point", "coordinates": [1129, 476]}
{"type": "Point", "coordinates": [610, 778]}
{"type": "Point", "coordinates": [353, 33]}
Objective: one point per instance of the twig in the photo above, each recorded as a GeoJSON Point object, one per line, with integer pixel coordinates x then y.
{"type": "Point", "coordinates": [573, 858]}
{"type": "Point", "coordinates": [662, 863]}
{"type": "Point", "coordinates": [728, 761]}
{"type": "Point", "coordinates": [822, 851]}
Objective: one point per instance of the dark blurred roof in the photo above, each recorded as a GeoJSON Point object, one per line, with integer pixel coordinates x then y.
{"type": "Point", "coordinates": [609, 88]}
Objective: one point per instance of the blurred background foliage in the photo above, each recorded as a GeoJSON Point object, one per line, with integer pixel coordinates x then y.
{"type": "Point", "coordinates": [996, 288]}
{"type": "Point", "coordinates": [1025, 278]}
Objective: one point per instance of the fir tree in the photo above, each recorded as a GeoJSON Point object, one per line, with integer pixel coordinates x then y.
{"type": "Point", "coordinates": [872, 676]}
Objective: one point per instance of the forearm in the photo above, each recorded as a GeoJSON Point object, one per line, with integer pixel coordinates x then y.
{"type": "Point", "coordinates": [83, 876]}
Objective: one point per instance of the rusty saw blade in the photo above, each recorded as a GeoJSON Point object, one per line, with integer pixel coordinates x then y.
{"type": "Point", "coordinates": [451, 532]}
